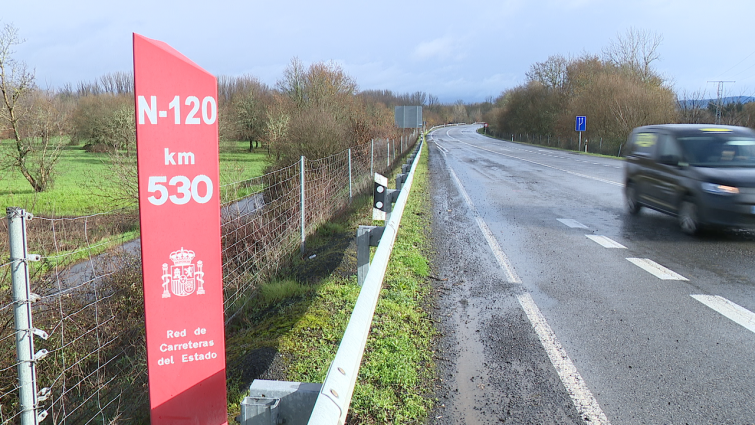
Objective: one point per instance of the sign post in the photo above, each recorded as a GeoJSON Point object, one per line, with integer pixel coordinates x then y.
{"type": "Point", "coordinates": [580, 126]}
{"type": "Point", "coordinates": [179, 210]}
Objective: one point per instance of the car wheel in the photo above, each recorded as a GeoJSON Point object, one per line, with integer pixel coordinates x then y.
{"type": "Point", "coordinates": [633, 206]}
{"type": "Point", "coordinates": [688, 219]}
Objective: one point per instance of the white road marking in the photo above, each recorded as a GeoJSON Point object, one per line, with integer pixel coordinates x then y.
{"type": "Point", "coordinates": [656, 269]}
{"type": "Point", "coordinates": [735, 312]}
{"type": "Point", "coordinates": [500, 256]}
{"type": "Point", "coordinates": [605, 241]}
{"type": "Point", "coordinates": [574, 224]}
{"type": "Point", "coordinates": [584, 401]}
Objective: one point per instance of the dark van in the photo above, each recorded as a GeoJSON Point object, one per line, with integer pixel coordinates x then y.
{"type": "Point", "coordinates": [703, 174]}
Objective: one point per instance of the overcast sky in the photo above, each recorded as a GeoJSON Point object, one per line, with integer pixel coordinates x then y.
{"type": "Point", "coordinates": [452, 49]}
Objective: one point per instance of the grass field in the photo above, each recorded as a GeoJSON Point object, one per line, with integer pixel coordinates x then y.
{"type": "Point", "coordinates": [81, 184]}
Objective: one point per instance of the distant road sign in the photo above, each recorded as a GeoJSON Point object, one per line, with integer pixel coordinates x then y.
{"type": "Point", "coordinates": [581, 124]}
{"type": "Point", "coordinates": [408, 116]}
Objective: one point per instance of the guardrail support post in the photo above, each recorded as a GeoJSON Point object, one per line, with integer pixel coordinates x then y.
{"type": "Point", "coordinates": [400, 179]}
{"type": "Point", "coordinates": [391, 195]}
{"type": "Point", "coordinates": [367, 236]}
{"type": "Point", "coordinates": [277, 402]}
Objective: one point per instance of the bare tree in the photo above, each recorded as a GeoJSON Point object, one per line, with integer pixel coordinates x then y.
{"type": "Point", "coordinates": [243, 105]}
{"type": "Point", "coordinates": [117, 83]}
{"type": "Point", "coordinates": [293, 82]}
{"type": "Point", "coordinates": [693, 108]}
{"type": "Point", "coordinates": [432, 101]}
{"type": "Point", "coordinates": [551, 73]}
{"type": "Point", "coordinates": [636, 50]}
{"type": "Point", "coordinates": [16, 81]}
{"type": "Point", "coordinates": [33, 117]}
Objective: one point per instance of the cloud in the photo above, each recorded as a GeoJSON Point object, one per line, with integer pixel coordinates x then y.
{"type": "Point", "coordinates": [440, 48]}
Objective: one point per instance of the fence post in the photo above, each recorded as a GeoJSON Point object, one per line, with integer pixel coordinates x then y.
{"type": "Point", "coordinates": [301, 201]}
{"type": "Point", "coordinates": [349, 174]}
{"type": "Point", "coordinates": [388, 151]}
{"type": "Point", "coordinates": [372, 158]}
{"type": "Point", "coordinates": [22, 299]}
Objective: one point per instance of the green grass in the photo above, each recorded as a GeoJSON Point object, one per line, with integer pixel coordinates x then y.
{"type": "Point", "coordinates": [395, 383]}
{"type": "Point", "coordinates": [69, 195]}
{"type": "Point", "coordinates": [550, 147]}
{"type": "Point", "coordinates": [80, 185]}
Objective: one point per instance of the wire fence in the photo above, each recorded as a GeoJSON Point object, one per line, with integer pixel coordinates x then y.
{"type": "Point", "coordinates": [597, 145]}
{"type": "Point", "coordinates": [92, 366]}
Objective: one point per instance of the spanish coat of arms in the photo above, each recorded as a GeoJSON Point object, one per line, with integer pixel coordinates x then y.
{"type": "Point", "coordinates": [184, 277]}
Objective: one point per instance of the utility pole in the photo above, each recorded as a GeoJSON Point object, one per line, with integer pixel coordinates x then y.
{"type": "Point", "coordinates": [720, 98]}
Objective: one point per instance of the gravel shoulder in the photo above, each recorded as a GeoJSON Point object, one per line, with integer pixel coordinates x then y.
{"type": "Point", "coordinates": [491, 365]}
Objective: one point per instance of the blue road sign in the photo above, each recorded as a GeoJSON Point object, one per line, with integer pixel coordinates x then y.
{"type": "Point", "coordinates": [581, 124]}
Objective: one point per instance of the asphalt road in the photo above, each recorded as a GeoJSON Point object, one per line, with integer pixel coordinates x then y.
{"type": "Point", "coordinates": [549, 311]}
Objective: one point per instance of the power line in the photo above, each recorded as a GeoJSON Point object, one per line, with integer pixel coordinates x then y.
{"type": "Point", "coordinates": [745, 70]}
{"type": "Point", "coordinates": [738, 63]}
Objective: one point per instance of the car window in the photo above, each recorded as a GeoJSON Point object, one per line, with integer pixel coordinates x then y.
{"type": "Point", "coordinates": [719, 150]}
{"type": "Point", "coordinates": [643, 144]}
{"type": "Point", "coordinates": [669, 151]}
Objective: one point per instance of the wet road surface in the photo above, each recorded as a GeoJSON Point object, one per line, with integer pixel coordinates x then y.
{"type": "Point", "coordinates": [556, 306]}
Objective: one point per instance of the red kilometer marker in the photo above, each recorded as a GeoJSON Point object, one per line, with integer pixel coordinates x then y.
{"type": "Point", "coordinates": [179, 207]}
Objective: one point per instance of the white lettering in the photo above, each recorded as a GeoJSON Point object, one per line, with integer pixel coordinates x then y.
{"type": "Point", "coordinates": [169, 160]}
{"type": "Point", "coordinates": [176, 334]}
{"type": "Point", "coordinates": [186, 189]}
{"type": "Point", "coordinates": [190, 345]}
{"type": "Point", "coordinates": [192, 118]}
{"type": "Point", "coordinates": [176, 106]}
{"type": "Point", "coordinates": [209, 110]}
{"type": "Point", "coordinates": [196, 357]}
{"type": "Point", "coordinates": [148, 109]}
{"type": "Point", "coordinates": [186, 158]}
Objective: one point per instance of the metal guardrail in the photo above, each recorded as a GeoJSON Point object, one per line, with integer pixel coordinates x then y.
{"type": "Point", "coordinates": [273, 402]}
{"type": "Point", "coordinates": [335, 395]}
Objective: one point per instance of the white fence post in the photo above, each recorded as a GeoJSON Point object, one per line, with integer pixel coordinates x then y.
{"type": "Point", "coordinates": [350, 196]}
{"type": "Point", "coordinates": [301, 201]}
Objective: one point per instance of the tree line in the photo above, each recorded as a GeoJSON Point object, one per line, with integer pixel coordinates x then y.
{"type": "Point", "coordinates": [617, 90]}
{"type": "Point", "coordinates": [314, 110]}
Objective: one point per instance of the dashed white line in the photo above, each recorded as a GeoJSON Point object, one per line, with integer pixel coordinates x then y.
{"type": "Point", "coordinates": [656, 269]}
{"type": "Point", "coordinates": [605, 241]}
{"type": "Point", "coordinates": [574, 224]}
{"type": "Point", "coordinates": [735, 312]}
{"type": "Point", "coordinates": [541, 164]}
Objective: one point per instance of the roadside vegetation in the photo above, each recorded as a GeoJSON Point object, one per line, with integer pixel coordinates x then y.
{"type": "Point", "coordinates": [618, 90]}
{"type": "Point", "coordinates": [69, 153]}
{"type": "Point", "coordinates": [292, 330]}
